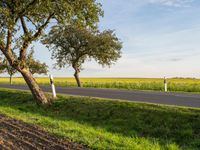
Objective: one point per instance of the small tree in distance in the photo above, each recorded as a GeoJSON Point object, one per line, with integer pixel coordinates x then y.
{"type": "Point", "coordinates": [72, 45]}
{"type": "Point", "coordinates": [35, 66]}
{"type": "Point", "coordinates": [6, 68]}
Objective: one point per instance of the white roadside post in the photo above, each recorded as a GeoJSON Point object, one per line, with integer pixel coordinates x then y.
{"type": "Point", "coordinates": [52, 86]}
{"type": "Point", "coordinates": [165, 84]}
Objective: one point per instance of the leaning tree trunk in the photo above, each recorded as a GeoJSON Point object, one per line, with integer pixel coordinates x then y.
{"type": "Point", "coordinates": [10, 79]}
{"type": "Point", "coordinates": [38, 94]}
{"type": "Point", "coordinates": [76, 75]}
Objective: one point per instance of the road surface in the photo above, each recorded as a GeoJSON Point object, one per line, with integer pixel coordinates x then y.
{"type": "Point", "coordinates": [188, 100]}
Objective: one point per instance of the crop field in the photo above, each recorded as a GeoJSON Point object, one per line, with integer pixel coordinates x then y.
{"type": "Point", "coordinates": [155, 84]}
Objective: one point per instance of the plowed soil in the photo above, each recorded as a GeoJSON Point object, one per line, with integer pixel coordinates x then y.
{"type": "Point", "coordinates": [17, 135]}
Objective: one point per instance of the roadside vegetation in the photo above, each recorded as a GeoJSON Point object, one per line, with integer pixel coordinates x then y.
{"type": "Point", "coordinates": [107, 124]}
{"type": "Point", "coordinates": [174, 85]}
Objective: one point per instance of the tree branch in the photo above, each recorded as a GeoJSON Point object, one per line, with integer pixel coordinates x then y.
{"type": "Point", "coordinates": [31, 21]}
{"type": "Point", "coordinates": [40, 29]}
{"type": "Point", "coordinates": [23, 50]}
{"type": "Point", "coordinates": [8, 54]}
{"type": "Point", "coordinates": [2, 46]}
{"type": "Point", "coordinates": [25, 29]}
{"type": "Point", "coordinates": [9, 40]}
{"type": "Point", "coordinates": [28, 41]}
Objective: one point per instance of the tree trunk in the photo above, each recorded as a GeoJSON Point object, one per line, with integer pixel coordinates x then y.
{"type": "Point", "coordinates": [38, 94]}
{"type": "Point", "coordinates": [76, 75]}
{"type": "Point", "coordinates": [10, 79]}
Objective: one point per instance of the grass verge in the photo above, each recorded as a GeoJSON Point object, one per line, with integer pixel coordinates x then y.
{"type": "Point", "coordinates": [106, 124]}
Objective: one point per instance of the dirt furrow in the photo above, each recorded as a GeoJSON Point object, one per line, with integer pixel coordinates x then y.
{"type": "Point", "coordinates": [26, 136]}
{"type": "Point", "coordinates": [4, 145]}
{"type": "Point", "coordinates": [31, 137]}
{"type": "Point", "coordinates": [33, 129]}
{"type": "Point", "coordinates": [18, 144]}
{"type": "Point", "coordinates": [36, 132]}
{"type": "Point", "coordinates": [17, 135]}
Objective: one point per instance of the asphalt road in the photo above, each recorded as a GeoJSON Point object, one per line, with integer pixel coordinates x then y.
{"type": "Point", "coordinates": [188, 100]}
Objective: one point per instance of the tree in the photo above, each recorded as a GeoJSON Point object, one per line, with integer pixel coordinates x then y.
{"type": "Point", "coordinates": [72, 45]}
{"type": "Point", "coordinates": [23, 22]}
{"type": "Point", "coordinates": [2, 69]}
{"type": "Point", "coordinates": [6, 68]}
{"type": "Point", "coordinates": [35, 66]}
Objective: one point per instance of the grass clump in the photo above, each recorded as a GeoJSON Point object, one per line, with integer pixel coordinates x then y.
{"type": "Point", "coordinates": [106, 124]}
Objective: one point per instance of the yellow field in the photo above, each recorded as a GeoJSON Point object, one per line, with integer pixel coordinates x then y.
{"type": "Point", "coordinates": [185, 85]}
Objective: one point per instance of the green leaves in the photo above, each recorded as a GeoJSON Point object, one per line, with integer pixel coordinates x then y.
{"type": "Point", "coordinates": [107, 48]}
{"type": "Point", "coordinates": [27, 20]}
{"type": "Point", "coordinates": [5, 67]}
{"type": "Point", "coordinates": [86, 12]}
{"type": "Point", "coordinates": [73, 45]}
{"type": "Point", "coordinates": [35, 66]}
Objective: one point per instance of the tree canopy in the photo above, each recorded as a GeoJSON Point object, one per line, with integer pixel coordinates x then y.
{"type": "Point", "coordinates": [6, 68]}
{"type": "Point", "coordinates": [31, 17]}
{"type": "Point", "coordinates": [72, 45]}
{"type": "Point", "coordinates": [23, 22]}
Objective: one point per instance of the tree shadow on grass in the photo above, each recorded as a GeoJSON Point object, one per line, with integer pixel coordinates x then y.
{"type": "Point", "coordinates": [167, 124]}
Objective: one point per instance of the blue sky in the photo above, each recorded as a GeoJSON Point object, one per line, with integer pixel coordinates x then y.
{"type": "Point", "coordinates": [160, 38]}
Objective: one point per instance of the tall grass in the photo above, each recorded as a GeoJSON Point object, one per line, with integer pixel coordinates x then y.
{"type": "Point", "coordinates": [155, 84]}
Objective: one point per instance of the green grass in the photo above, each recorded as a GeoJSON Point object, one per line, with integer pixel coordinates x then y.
{"type": "Point", "coordinates": [107, 124]}
{"type": "Point", "coordinates": [155, 84]}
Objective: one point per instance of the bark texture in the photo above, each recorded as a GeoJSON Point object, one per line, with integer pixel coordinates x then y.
{"type": "Point", "coordinates": [10, 79]}
{"type": "Point", "coordinates": [76, 75]}
{"type": "Point", "coordinates": [37, 92]}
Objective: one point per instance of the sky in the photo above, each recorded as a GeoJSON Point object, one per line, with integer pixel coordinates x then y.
{"type": "Point", "coordinates": [160, 38]}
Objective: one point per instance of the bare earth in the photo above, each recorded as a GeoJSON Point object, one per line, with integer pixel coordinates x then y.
{"type": "Point", "coordinates": [17, 135]}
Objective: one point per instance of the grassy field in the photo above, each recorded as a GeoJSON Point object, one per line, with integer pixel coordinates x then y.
{"type": "Point", "coordinates": [106, 124]}
{"type": "Point", "coordinates": [180, 85]}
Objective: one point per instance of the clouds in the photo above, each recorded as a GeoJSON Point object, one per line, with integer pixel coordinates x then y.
{"type": "Point", "coordinates": [173, 3]}
{"type": "Point", "coordinates": [135, 4]}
